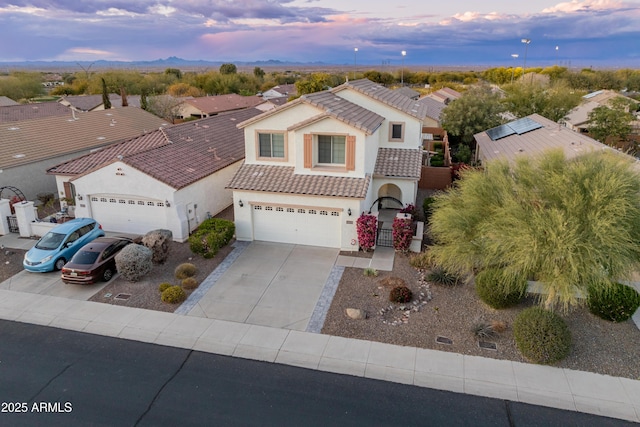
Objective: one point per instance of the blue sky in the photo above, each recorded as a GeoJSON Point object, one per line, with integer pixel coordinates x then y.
{"type": "Point", "coordinates": [599, 33]}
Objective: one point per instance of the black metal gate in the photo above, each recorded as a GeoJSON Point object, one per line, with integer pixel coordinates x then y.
{"type": "Point", "coordinates": [385, 237]}
{"type": "Point", "coordinates": [13, 224]}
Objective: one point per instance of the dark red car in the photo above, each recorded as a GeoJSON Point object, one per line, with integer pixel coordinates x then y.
{"type": "Point", "coordinates": [95, 261]}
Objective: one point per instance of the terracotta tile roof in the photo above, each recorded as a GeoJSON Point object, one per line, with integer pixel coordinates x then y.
{"type": "Point", "coordinates": [218, 104]}
{"type": "Point", "coordinates": [398, 162]}
{"type": "Point", "coordinates": [282, 179]}
{"type": "Point", "coordinates": [408, 92]}
{"type": "Point", "coordinates": [39, 139]}
{"type": "Point", "coordinates": [345, 111]}
{"type": "Point", "coordinates": [433, 107]}
{"type": "Point", "coordinates": [386, 96]}
{"type": "Point", "coordinates": [107, 154]}
{"type": "Point", "coordinates": [19, 112]}
{"type": "Point", "coordinates": [195, 149]}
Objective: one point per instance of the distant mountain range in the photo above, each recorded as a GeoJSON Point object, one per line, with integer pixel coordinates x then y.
{"type": "Point", "coordinates": [171, 62]}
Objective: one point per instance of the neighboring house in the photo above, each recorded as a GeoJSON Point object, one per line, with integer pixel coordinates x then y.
{"type": "Point", "coordinates": [172, 178]}
{"type": "Point", "coordinates": [408, 92]}
{"type": "Point", "coordinates": [433, 108]}
{"type": "Point", "coordinates": [30, 147]}
{"type": "Point", "coordinates": [86, 103]}
{"type": "Point", "coordinates": [315, 164]}
{"type": "Point", "coordinates": [531, 136]}
{"type": "Point", "coordinates": [271, 103]}
{"type": "Point", "coordinates": [578, 118]}
{"type": "Point", "coordinates": [287, 91]}
{"type": "Point", "coordinates": [445, 95]}
{"type": "Point", "coordinates": [20, 112]}
{"type": "Point", "coordinates": [6, 101]}
{"type": "Point", "coordinates": [211, 105]}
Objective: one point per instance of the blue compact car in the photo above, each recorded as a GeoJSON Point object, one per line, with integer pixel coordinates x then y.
{"type": "Point", "coordinates": [56, 247]}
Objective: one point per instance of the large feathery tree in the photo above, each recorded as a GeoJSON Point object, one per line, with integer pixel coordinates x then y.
{"type": "Point", "coordinates": [567, 223]}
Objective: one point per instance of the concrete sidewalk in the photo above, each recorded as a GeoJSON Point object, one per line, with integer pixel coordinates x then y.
{"type": "Point", "coordinates": [534, 384]}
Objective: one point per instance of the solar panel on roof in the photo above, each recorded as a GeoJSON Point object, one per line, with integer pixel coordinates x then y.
{"type": "Point", "coordinates": [499, 132]}
{"type": "Point", "coordinates": [524, 125]}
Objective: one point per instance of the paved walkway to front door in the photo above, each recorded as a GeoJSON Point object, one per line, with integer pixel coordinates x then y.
{"type": "Point", "coordinates": [270, 284]}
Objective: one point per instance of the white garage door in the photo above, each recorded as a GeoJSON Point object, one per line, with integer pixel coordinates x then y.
{"type": "Point", "coordinates": [302, 226]}
{"type": "Point", "coordinates": [126, 214]}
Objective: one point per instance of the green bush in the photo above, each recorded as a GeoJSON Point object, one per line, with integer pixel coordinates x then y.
{"type": "Point", "coordinates": [421, 261]}
{"type": "Point", "coordinates": [426, 206]}
{"type": "Point", "coordinates": [541, 336]}
{"type": "Point", "coordinates": [494, 289]}
{"type": "Point", "coordinates": [164, 286]}
{"type": "Point", "coordinates": [173, 295]}
{"type": "Point", "coordinates": [185, 270]}
{"type": "Point", "coordinates": [440, 276]}
{"type": "Point", "coordinates": [437, 146]}
{"type": "Point", "coordinates": [210, 236]}
{"type": "Point", "coordinates": [616, 303]}
{"type": "Point", "coordinates": [189, 283]}
{"type": "Point", "coordinates": [400, 294]}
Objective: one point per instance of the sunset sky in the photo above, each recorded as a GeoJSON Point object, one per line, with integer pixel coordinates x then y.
{"type": "Point", "coordinates": [587, 32]}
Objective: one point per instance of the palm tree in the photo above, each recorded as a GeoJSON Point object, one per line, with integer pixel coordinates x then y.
{"type": "Point", "coordinates": [569, 224]}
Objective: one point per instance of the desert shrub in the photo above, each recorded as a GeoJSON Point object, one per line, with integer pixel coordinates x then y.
{"type": "Point", "coordinates": [440, 276]}
{"type": "Point", "coordinates": [421, 261]}
{"type": "Point", "coordinates": [495, 290]}
{"type": "Point", "coordinates": [164, 286]}
{"type": "Point", "coordinates": [134, 261]}
{"type": "Point", "coordinates": [541, 335]}
{"type": "Point", "coordinates": [184, 270]}
{"type": "Point", "coordinates": [210, 236]}
{"type": "Point", "coordinates": [159, 241]}
{"type": "Point", "coordinates": [173, 295]}
{"type": "Point", "coordinates": [392, 282]}
{"type": "Point", "coordinates": [189, 283]}
{"type": "Point", "coordinates": [426, 206]}
{"type": "Point", "coordinates": [616, 303]}
{"type": "Point", "coordinates": [400, 294]}
{"type": "Point", "coordinates": [370, 272]}
{"type": "Point", "coordinates": [484, 330]}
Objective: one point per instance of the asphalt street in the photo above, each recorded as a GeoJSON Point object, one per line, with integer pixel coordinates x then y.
{"type": "Point", "coordinates": [56, 377]}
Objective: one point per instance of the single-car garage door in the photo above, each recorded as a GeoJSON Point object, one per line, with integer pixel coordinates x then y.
{"type": "Point", "coordinates": [126, 214]}
{"type": "Point", "coordinates": [298, 225]}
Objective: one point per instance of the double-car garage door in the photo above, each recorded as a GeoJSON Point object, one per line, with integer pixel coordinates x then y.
{"type": "Point", "coordinates": [126, 214]}
{"type": "Point", "coordinates": [297, 225]}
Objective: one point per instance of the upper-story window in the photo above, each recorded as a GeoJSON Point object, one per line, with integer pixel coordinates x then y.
{"type": "Point", "coordinates": [331, 149]}
{"type": "Point", "coordinates": [271, 145]}
{"type": "Point", "coordinates": [396, 132]}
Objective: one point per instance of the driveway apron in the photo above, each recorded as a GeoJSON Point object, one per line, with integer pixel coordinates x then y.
{"type": "Point", "coordinates": [270, 284]}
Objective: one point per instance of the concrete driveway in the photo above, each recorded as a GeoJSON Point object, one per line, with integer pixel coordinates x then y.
{"type": "Point", "coordinates": [270, 284]}
{"type": "Point", "coordinates": [49, 284]}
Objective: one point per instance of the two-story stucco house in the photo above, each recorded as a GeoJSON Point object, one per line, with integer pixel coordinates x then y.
{"type": "Point", "coordinates": [313, 165]}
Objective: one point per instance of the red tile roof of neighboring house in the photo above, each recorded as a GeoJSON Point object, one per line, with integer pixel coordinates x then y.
{"type": "Point", "coordinates": [398, 162]}
{"type": "Point", "coordinates": [218, 104]}
{"type": "Point", "coordinates": [40, 139]}
{"type": "Point", "coordinates": [19, 112]}
{"type": "Point", "coordinates": [282, 179]}
{"type": "Point", "coordinates": [197, 149]}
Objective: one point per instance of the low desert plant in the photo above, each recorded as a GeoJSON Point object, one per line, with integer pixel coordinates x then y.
{"type": "Point", "coordinates": [498, 291]}
{"type": "Point", "coordinates": [392, 282]}
{"type": "Point", "coordinates": [210, 236]}
{"type": "Point", "coordinates": [616, 303]}
{"type": "Point", "coordinates": [173, 295]}
{"type": "Point", "coordinates": [421, 261]}
{"type": "Point", "coordinates": [440, 276]}
{"type": "Point", "coordinates": [134, 261]}
{"type": "Point", "coordinates": [400, 294]}
{"type": "Point", "coordinates": [484, 330]}
{"type": "Point", "coordinates": [498, 326]}
{"type": "Point", "coordinates": [185, 270]}
{"type": "Point", "coordinates": [164, 286]}
{"type": "Point", "coordinates": [370, 272]}
{"type": "Point", "coordinates": [189, 283]}
{"type": "Point", "coordinates": [541, 335]}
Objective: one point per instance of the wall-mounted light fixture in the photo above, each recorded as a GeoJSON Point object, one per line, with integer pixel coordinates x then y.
{"type": "Point", "coordinates": [167, 204]}
{"type": "Point", "coordinates": [240, 203]}
{"type": "Point", "coordinates": [349, 211]}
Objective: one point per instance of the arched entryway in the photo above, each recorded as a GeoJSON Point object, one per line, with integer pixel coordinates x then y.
{"type": "Point", "coordinates": [387, 193]}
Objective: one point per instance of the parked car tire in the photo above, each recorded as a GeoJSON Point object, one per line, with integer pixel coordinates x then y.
{"type": "Point", "coordinates": [60, 262]}
{"type": "Point", "coordinates": [107, 274]}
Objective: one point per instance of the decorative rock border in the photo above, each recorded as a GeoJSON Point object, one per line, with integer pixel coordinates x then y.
{"type": "Point", "coordinates": [424, 296]}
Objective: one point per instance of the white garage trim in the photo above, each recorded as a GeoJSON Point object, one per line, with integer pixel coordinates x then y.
{"type": "Point", "coordinates": [128, 214]}
{"type": "Point", "coordinates": [301, 225]}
